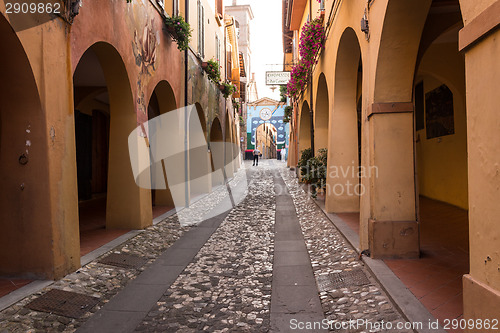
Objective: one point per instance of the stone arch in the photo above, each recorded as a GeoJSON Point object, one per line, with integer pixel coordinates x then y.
{"type": "Point", "coordinates": [343, 160]}
{"type": "Point", "coordinates": [321, 114]}
{"type": "Point", "coordinates": [161, 101]}
{"type": "Point", "coordinates": [127, 205]}
{"type": "Point", "coordinates": [228, 147]}
{"type": "Point", "coordinates": [407, 31]}
{"type": "Point", "coordinates": [26, 248]}
{"type": "Point", "coordinates": [199, 158]}
{"type": "Point", "coordinates": [236, 149]}
{"type": "Point", "coordinates": [267, 149]}
{"type": "Point", "coordinates": [217, 152]}
{"type": "Point", "coordinates": [304, 137]}
{"type": "Point", "coordinates": [400, 39]}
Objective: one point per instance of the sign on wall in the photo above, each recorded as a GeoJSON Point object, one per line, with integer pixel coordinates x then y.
{"type": "Point", "coordinates": [277, 78]}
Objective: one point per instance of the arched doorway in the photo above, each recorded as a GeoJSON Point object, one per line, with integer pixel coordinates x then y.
{"type": "Point", "coordinates": [441, 156]}
{"type": "Point", "coordinates": [228, 147]}
{"type": "Point", "coordinates": [265, 140]}
{"type": "Point", "coordinates": [343, 183]}
{"type": "Point", "coordinates": [26, 240]}
{"type": "Point", "coordinates": [199, 159]}
{"type": "Point", "coordinates": [104, 117]}
{"type": "Point", "coordinates": [162, 100]}
{"type": "Point", "coordinates": [420, 95]}
{"type": "Point", "coordinates": [304, 139]}
{"type": "Point", "coordinates": [321, 115]}
{"type": "Point", "coordinates": [217, 152]}
{"type": "Point", "coordinates": [236, 150]}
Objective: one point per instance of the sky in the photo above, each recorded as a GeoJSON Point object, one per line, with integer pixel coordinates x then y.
{"type": "Point", "coordinates": [265, 41]}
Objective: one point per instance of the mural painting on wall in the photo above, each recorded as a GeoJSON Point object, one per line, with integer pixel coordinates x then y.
{"type": "Point", "coordinates": [277, 122]}
{"type": "Point", "coordinates": [145, 47]}
{"type": "Point", "coordinates": [439, 120]}
{"type": "Point", "coordinates": [274, 117]}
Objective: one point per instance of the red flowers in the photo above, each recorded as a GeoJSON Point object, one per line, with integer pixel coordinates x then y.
{"type": "Point", "coordinates": [312, 40]}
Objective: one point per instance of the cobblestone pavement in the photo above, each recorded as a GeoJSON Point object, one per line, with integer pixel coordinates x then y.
{"type": "Point", "coordinates": [330, 253]}
{"type": "Point", "coordinates": [95, 279]}
{"type": "Point", "coordinates": [104, 281]}
{"type": "Point", "coordinates": [227, 287]}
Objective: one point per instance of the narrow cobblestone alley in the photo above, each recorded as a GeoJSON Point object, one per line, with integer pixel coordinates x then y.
{"type": "Point", "coordinates": [263, 266]}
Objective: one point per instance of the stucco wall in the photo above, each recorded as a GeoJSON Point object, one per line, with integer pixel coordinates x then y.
{"type": "Point", "coordinates": [442, 162]}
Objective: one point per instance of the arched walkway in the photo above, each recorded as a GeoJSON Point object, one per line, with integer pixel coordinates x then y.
{"type": "Point", "coordinates": [265, 140]}
{"type": "Point", "coordinates": [217, 152]}
{"type": "Point", "coordinates": [199, 158]}
{"type": "Point", "coordinates": [236, 150]}
{"type": "Point", "coordinates": [390, 201]}
{"type": "Point", "coordinates": [162, 100]}
{"type": "Point", "coordinates": [343, 188]}
{"type": "Point", "coordinates": [441, 157]}
{"type": "Point", "coordinates": [304, 139]}
{"type": "Point", "coordinates": [26, 247]}
{"type": "Point", "coordinates": [228, 147]}
{"type": "Point", "coordinates": [321, 114]}
{"type": "Point", "coordinates": [419, 100]}
{"type": "Point", "coordinates": [104, 118]}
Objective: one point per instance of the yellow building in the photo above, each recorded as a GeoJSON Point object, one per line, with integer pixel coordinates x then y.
{"type": "Point", "coordinates": [404, 96]}
{"type": "Point", "coordinates": [74, 86]}
{"type": "Point", "coordinates": [266, 140]}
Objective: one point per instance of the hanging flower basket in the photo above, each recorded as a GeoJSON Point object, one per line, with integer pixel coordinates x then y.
{"type": "Point", "coordinates": [180, 30]}
{"type": "Point", "coordinates": [227, 89]}
{"type": "Point", "coordinates": [212, 68]}
{"type": "Point", "coordinates": [172, 33]}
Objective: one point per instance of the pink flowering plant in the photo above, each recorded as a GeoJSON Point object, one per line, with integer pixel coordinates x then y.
{"type": "Point", "coordinates": [180, 31]}
{"type": "Point", "coordinates": [213, 70]}
{"type": "Point", "coordinates": [298, 79]}
{"type": "Point", "coordinates": [228, 89]}
{"type": "Point", "coordinates": [312, 40]}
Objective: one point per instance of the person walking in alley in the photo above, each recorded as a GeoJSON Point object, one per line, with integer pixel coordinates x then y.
{"type": "Point", "coordinates": [256, 153]}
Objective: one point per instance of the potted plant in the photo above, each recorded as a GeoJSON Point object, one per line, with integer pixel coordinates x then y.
{"type": "Point", "coordinates": [236, 106]}
{"type": "Point", "coordinates": [288, 114]}
{"type": "Point", "coordinates": [180, 30]}
{"type": "Point", "coordinates": [212, 69]}
{"type": "Point", "coordinates": [313, 169]}
{"type": "Point", "coordinates": [227, 89]}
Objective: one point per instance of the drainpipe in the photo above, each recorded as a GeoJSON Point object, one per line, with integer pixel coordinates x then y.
{"type": "Point", "coordinates": [225, 100]}
{"type": "Point", "coordinates": [186, 100]}
{"type": "Point", "coordinates": [311, 112]}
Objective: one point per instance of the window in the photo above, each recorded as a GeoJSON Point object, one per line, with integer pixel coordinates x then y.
{"type": "Point", "coordinates": [201, 29]}
{"type": "Point", "coordinates": [419, 107]}
{"type": "Point", "coordinates": [217, 48]}
{"type": "Point", "coordinates": [439, 115]}
{"type": "Point", "coordinates": [237, 28]}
